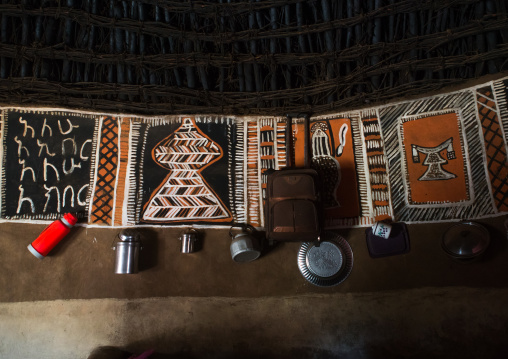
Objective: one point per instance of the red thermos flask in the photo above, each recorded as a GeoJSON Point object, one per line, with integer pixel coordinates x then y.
{"type": "Point", "coordinates": [53, 234]}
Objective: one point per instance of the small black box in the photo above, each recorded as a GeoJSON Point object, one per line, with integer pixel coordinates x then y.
{"type": "Point", "coordinates": [397, 243]}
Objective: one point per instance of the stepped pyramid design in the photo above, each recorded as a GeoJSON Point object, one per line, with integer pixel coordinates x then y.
{"type": "Point", "coordinates": [184, 195]}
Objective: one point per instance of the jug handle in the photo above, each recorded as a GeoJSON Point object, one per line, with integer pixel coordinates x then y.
{"type": "Point", "coordinates": [243, 226]}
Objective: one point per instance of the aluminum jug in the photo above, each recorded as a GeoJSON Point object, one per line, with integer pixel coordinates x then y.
{"type": "Point", "coordinates": [245, 246]}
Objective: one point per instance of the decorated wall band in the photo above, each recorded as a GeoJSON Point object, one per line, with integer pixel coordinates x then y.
{"type": "Point", "coordinates": [438, 158]}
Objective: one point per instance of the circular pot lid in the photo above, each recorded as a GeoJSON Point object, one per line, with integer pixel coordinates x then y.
{"type": "Point", "coordinates": [465, 240]}
{"type": "Point", "coordinates": [327, 265]}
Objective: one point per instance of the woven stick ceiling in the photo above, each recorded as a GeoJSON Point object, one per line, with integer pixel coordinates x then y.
{"type": "Point", "coordinates": [243, 57]}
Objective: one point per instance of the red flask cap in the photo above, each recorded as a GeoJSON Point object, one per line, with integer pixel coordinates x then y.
{"type": "Point", "coordinates": [70, 218]}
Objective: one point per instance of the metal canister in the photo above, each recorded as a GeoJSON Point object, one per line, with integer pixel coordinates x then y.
{"type": "Point", "coordinates": [127, 252]}
{"type": "Point", "coordinates": [189, 239]}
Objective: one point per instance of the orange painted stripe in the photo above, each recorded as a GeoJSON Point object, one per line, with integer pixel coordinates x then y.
{"type": "Point", "coordinates": [382, 217]}
{"type": "Point", "coordinates": [372, 137]}
{"type": "Point", "coordinates": [122, 173]}
{"type": "Point", "coordinates": [379, 186]}
{"type": "Point", "coordinates": [381, 203]}
{"type": "Point", "coordinates": [376, 170]}
{"type": "Point", "coordinates": [376, 153]}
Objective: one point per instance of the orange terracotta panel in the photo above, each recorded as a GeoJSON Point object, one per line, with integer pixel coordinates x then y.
{"type": "Point", "coordinates": [436, 169]}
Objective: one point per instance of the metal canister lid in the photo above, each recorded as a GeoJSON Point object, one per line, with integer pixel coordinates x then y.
{"type": "Point", "coordinates": [129, 235]}
{"type": "Point", "coordinates": [465, 240]}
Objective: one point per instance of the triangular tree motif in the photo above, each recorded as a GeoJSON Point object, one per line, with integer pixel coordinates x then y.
{"type": "Point", "coordinates": [184, 195]}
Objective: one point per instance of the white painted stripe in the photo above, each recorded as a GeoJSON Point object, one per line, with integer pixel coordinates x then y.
{"type": "Point", "coordinates": [94, 178]}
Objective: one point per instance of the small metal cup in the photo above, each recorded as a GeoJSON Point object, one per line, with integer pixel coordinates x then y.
{"type": "Point", "coordinates": [189, 239]}
{"type": "Point", "coordinates": [127, 252]}
{"type": "Point", "coordinates": [244, 246]}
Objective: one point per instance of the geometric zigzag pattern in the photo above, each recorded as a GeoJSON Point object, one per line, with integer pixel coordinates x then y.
{"type": "Point", "coordinates": [102, 209]}
{"type": "Point", "coordinates": [494, 145]}
{"type": "Point", "coordinates": [185, 195]}
{"type": "Point", "coordinates": [186, 148]}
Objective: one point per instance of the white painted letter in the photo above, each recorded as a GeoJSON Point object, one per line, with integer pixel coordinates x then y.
{"type": "Point", "coordinates": [44, 145]}
{"type": "Point", "coordinates": [81, 152]}
{"type": "Point", "coordinates": [69, 187]}
{"type": "Point", "coordinates": [70, 127]}
{"type": "Point", "coordinates": [44, 126]}
{"type": "Point", "coordinates": [24, 169]}
{"type": "Point", "coordinates": [48, 196]}
{"type": "Point", "coordinates": [73, 142]}
{"type": "Point", "coordinates": [21, 147]}
{"type": "Point", "coordinates": [26, 127]}
{"type": "Point", "coordinates": [46, 164]}
{"type": "Point", "coordinates": [78, 197]}
{"type": "Point", "coordinates": [23, 199]}
{"type": "Point", "coordinates": [68, 172]}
